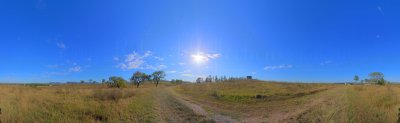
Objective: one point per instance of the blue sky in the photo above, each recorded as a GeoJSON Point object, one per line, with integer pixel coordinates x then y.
{"type": "Point", "coordinates": [284, 40]}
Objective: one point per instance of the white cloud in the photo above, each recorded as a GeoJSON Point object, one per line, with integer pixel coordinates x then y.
{"type": "Point", "coordinates": [133, 61]}
{"type": "Point", "coordinates": [159, 58]}
{"type": "Point", "coordinates": [186, 71]}
{"type": "Point", "coordinates": [148, 53]}
{"type": "Point", "coordinates": [158, 67]}
{"type": "Point", "coordinates": [203, 57]}
{"type": "Point", "coordinates": [138, 61]}
{"type": "Point", "coordinates": [182, 63]}
{"type": "Point", "coordinates": [213, 56]}
{"type": "Point", "coordinates": [326, 62]}
{"type": "Point", "coordinates": [61, 45]}
{"type": "Point", "coordinates": [277, 67]}
{"type": "Point", "coordinates": [75, 69]}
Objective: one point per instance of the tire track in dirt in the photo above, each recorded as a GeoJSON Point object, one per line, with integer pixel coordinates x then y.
{"type": "Point", "coordinates": [170, 110]}
{"type": "Point", "coordinates": [298, 112]}
{"type": "Point", "coordinates": [197, 109]}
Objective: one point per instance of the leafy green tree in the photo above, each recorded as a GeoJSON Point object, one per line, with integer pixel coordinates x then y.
{"type": "Point", "coordinates": [356, 78]}
{"type": "Point", "coordinates": [138, 78]}
{"type": "Point", "coordinates": [377, 78]}
{"type": "Point", "coordinates": [381, 81]}
{"type": "Point", "coordinates": [117, 82]}
{"type": "Point", "coordinates": [157, 76]}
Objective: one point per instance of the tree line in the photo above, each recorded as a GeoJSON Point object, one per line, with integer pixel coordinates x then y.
{"type": "Point", "coordinates": [210, 79]}
{"type": "Point", "coordinates": [137, 79]}
{"type": "Point", "coordinates": [374, 78]}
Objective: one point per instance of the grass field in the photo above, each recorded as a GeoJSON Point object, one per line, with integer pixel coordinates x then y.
{"type": "Point", "coordinates": [234, 101]}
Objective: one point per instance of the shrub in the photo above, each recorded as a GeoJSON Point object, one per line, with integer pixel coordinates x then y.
{"type": "Point", "coordinates": [117, 82]}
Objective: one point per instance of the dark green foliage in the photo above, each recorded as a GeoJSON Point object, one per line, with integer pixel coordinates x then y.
{"type": "Point", "coordinates": [116, 82]}
{"type": "Point", "coordinates": [138, 78]}
{"type": "Point", "coordinates": [381, 81]}
{"type": "Point", "coordinates": [377, 78]}
{"type": "Point", "coordinates": [157, 76]}
{"type": "Point", "coordinates": [356, 78]}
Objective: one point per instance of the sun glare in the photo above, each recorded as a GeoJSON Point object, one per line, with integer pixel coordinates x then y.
{"type": "Point", "coordinates": [199, 58]}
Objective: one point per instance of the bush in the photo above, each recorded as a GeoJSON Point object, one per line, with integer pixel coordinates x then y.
{"type": "Point", "coordinates": [112, 94]}
{"type": "Point", "coordinates": [117, 82]}
{"type": "Point", "coordinates": [381, 82]}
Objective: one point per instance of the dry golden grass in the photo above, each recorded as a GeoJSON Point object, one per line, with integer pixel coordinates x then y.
{"type": "Point", "coordinates": [244, 101]}
{"type": "Point", "coordinates": [83, 103]}
{"type": "Point", "coordinates": [250, 91]}
{"type": "Point", "coordinates": [283, 102]}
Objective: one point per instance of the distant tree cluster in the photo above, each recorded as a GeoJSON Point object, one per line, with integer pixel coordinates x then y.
{"type": "Point", "coordinates": [374, 78]}
{"type": "Point", "coordinates": [90, 81]}
{"type": "Point", "coordinates": [137, 79]}
{"type": "Point", "coordinates": [176, 81]}
{"type": "Point", "coordinates": [210, 79]}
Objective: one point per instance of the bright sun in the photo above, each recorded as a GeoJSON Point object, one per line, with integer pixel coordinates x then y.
{"type": "Point", "coordinates": [199, 58]}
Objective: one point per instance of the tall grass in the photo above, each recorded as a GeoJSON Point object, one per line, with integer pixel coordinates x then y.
{"type": "Point", "coordinates": [372, 104]}
{"type": "Point", "coordinates": [300, 102]}
{"type": "Point", "coordinates": [249, 91]}
{"type": "Point", "coordinates": [79, 103]}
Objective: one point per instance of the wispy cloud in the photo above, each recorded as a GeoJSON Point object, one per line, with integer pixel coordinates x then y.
{"type": "Point", "coordinates": [61, 45]}
{"type": "Point", "coordinates": [380, 10]}
{"type": "Point", "coordinates": [147, 54]}
{"type": "Point", "coordinates": [278, 67]}
{"type": "Point", "coordinates": [182, 63]}
{"type": "Point", "coordinates": [158, 67]}
{"type": "Point", "coordinates": [133, 61]}
{"type": "Point", "coordinates": [159, 58]}
{"type": "Point", "coordinates": [75, 69]}
{"type": "Point", "coordinates": [326, 62]}
{"type": "Point", "coordinates": [138, 61]}
{"type": "Point", "coordinates": [213, 56]}
{"type": "Point", "coordinates": [116, 58]}
{"type": "Point", "coordinates": [205, 56]}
